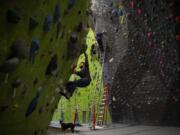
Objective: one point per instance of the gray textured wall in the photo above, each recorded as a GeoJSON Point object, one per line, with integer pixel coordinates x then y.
{"type": "Point", "coordinates": [144, 74]}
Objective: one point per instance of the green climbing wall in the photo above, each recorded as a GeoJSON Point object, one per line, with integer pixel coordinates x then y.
{"type": "Point", "coordinates": [84, 98]}
{"type": "Point", "coordinates": [15, 100]}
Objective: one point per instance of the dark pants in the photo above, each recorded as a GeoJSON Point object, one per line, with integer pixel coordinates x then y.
{"type": "Point", "coordinates": [100, 42]}
{"type": "Point", "coordinates": [72, 85]}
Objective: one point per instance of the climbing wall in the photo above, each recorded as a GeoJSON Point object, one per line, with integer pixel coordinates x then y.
{"type": "Point", "coordinates": [40, 39]}
{"type": "Point", "coordinates": [146, 89]}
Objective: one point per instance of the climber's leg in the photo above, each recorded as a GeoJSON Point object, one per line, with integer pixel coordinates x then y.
{"type": "Point", "coordinates": [71, 86]}
{"type": "Point", "coordinates": [83, 82]}
{"type": "Point", "coordinates": [66, 95]}
{"type": "Point", "coordinates": [100, 42]}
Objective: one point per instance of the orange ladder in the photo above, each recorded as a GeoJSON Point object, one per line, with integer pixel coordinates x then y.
{"type": "Point", "coordinates": [103, 107]}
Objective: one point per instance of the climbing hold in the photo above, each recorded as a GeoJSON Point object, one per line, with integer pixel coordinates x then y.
{"type": "Point", "coordinates": [177, 37]}
{"type": "Point", "coordinates": [62, 34]}
{"type": "Point", "coordinates": [34, 49]}
{"type": "Point", "coordinates": [114, 12]}
{"type": "Point", "coordinates": [9, 65]}
{"type": "Point", "coordinates": [16, 83]}
{"type": "Point", "coordinates": [35, 133]}
{"type": "Point", "coordinates": [33, 23]}
{"type": "Point", "coordinates": [59, 25]}
{"type": "Point", "coordinates": [71, 3]}
{"type": "Point", "coordinates": [139, 12]}
{"type": "Point", "coordinates": [41, 109]}
{"type": "Point", "coordinates": [79, 12]}
{"type": "Point", "coordinates": [35, 81]}
{"type": "Point", "coordinates": [47, 104]}
{"type": "Point", "coordinates": [12, 16]}
{"type": "Point", "coordinates": [177, 19]}
{"type": "Point", "coordinates": [73, 38]}
{"type": "Point", "coordinates": [149, 35]}
{"type": "Point", "coordinates": [23, 93]}
{"type": "Point", "coordinates": [57, 13]}
{"type": "Point", "coordinates": [47, 23]}
{"type": "Point", "coordinates": [57, 90]}
{"type": "Point", "coordinates": [52, 66]}
{"type": "Point", "coordinates": [3, 108]}
{"type": "Point", "coordinates": [125, 35]}
{"type": "Point", "coordinates": [132, 4]}
{"type": "Point", "coordinates": [111, 60]}
{"type": "Point", "coordinates": [15, 107]}
{"type": "Point", "coordinates": [33, 103]}
{"type": "Point", "coordinates": [51, 40]}
{"type": "Point", "coordinates": [19, 49]}
{"type": "Point", "coordinates": [80, 27]}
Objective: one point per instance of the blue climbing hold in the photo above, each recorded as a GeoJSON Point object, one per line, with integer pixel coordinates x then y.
{"type": "Point", "coordinates": [115, 12]}
{"type": "Point", "coordinates": [34, 49]}
{"type": "Point", "coordinates": [47, 23]}
{"type": "Point", "coordinates": [57, 13]}
{"type": "Point", "coordinates": [12, 16]}
{"type": "Point", "coordinates": [52, 66]}
{"type": "Point", "coordinates": [33, 104]}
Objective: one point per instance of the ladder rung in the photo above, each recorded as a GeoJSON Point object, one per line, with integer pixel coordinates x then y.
{"type": "Point", "coordinates": [100, 120]}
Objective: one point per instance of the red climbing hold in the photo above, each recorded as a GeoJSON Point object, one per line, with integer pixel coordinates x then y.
{"type": "Point", "coordinates": [177, 19]}
{"type": "Point", "coordinates": [177, 37]}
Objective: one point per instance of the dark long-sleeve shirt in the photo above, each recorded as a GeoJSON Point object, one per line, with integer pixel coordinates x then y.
{"type": "Point", "coordinates": [84, 73]}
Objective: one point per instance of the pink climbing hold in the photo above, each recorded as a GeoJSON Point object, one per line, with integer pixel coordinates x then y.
{"type": "Point", "coordinates": [161, 61]}
{"type": "Point", "coordinates": [139, 12]}
{"type": "Point", "coordinates": [132, 4]}
{"type": "Point", "coordinates": [149, 34]}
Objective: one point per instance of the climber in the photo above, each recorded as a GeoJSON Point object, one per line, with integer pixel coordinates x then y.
{"type": "Point", "coordinates": [84, 80]}
{"type": "Point", "coordinates": [99, 37]}
{"type": "Point", "coordinates": [93, 50]}
{"type": "Point", "coordinates": [117, 15]}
